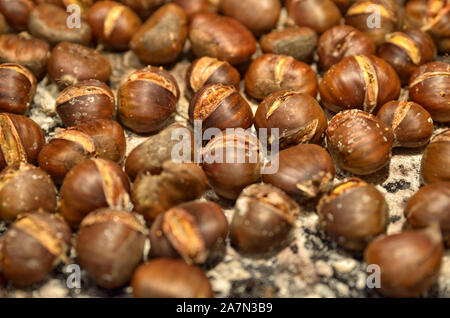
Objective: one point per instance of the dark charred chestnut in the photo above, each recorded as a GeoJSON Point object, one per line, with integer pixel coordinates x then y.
{"type": "Point", "coordinates": [17, 12]}
{"type": "Point", "coordinates": [144, 8]}
{"type": "Point", "coordinates": [436, 159]}
{"type": "Point", "coordinates": [192, 7]}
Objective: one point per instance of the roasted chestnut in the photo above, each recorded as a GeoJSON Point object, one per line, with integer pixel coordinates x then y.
{"type": "Point", "coordinates": [192, 7]}
{"type": "Point", "coordinates": [144, 8]}
{"type": "Point", "coordinates": [17, 12]}
{"type": "Point", "coordinates": [436, 159]}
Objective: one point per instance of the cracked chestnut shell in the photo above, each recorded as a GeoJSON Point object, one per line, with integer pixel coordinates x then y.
{"type": "Point", "coordinates": [221, 37]}
{"type": "Point", "coordinates": [271, 73]}
{"type": "Point", "coordinates": [191, 231]}
{"type": "Point", "coordinates": [359, 142]}
{"type": "Point", "coordinates": [17, 12]}
{"type": "Point", "coordinates": [33, 246]}
{"type": "Point", "coordinates": [435, 165]}
{"type": "Point", "coordinates": [429, 86]}
{"type": "Point", "coordinates": [152, 194]}
{"type": "Point", "coordinates": [110, 245]}
{"type": "Point", "coordinates": [411, 124]}
{"type": "Point", "coordinates": [353, 213]}
{"type": "Point", "coordinates": [25, 188]}
{"type": "Point", "coordinates": [93, 184]}
{"type": "Point", "coordinates": [170, 278]}
{"type": "Point", "coordinates": [304, 171]}
{"type": "Point", "coordinates": [364, 82]}
{"type": "Point", "coordinates": [409, 261]}
{"type": "Point", "coordinates": [220, 106]}
{"type": "Point", "coordinates": [263, 219]}
{"type": "Point", "coordinates": [306, 120]}
{"type": "Point", "coordinates": [147, 99]}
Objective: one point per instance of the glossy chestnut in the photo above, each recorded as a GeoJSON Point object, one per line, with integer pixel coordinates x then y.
{"type": "Point", "coordinates": [17, 12]}
{"type": "Point", "coordinates": [144, 8]}
{"type": "Point", "coordinates": [192, 7]}
{"type": "Point", "coordinates": [435, 165]}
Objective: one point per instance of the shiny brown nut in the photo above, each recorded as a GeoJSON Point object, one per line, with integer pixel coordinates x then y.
{"type": "Point", "coordinates": [147, 99]}
{"type": "Point", "coordinates": [220, 106]}
{"type": "Point", "coordinates": [340, 42]}
{"type": "Point", "coordinates": [365, 82]}
{"type": "Point", "coordinates": [175, 184]}
{"type": "Point", "coordinates": [161, 39]}
{"type": "Point", "coordinates": [221, 37]}
{"type": "Point", "coordinates": [304, 172]}
{"type": "Point", "coordinates": [411, 124]}
{"type": "Point", "coordinates": [263, 219]}
{"type": "Point", "coordinates": [298, 42]}
{"type": "Point", "coordinates": [25, 50]}
{"type": "Point", "coordinates": [17, 88]}
{"type": "Point", "coordinates": [25, 188]}
{"type": "Point", "coordinates": [272, 73]}
{"type": "Point", "coordinates": [33, 246]}
{"type": "Point", "coordinates": [144, 8]}
{"type": "Point", "coordinates": [192, 7]}
{"type": "Point", "coordinates": [50, 23]}
{"type": "Point", "coordinates": [409, 261]}
{"type": "Point", "coordinates": [191, 231]}
{"type": "Point", "coordinates": [3, 24]}
{"type": "Point", "coordinates": [85, 101]}
{"type": "Point", "coordinates": [299, 118]}
{"type": "Point", "coordinates": [359, 142]}
{"type": "Point", "coordinates": [93, 184]}
{"type": "Point", "coordinates": [17, 12]}
{"type": "Point", "coordinates": [436, 159]}
{"type": "Point", "coordinates": [353, 213]}
{"type": "Point", "coordinates": [319, 15]}
{"type": "Point", "coordinates": [71, 63]}
{"type": "Point", "coordinates": [113, 24]}
{"type": "Point", "coordinates": [110, 245]}
{"type": "Point", "coordinates": [170, 278]}
{"type": "Point", "coordinates": [429, 86]}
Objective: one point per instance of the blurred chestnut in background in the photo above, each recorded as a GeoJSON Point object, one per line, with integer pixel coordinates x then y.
{"type": "Point", "coordinates": [221, 37]}
{"type": "Point", "coordinates": [272, 73]}
{"type": "Point", "coordinates": [411, 124]}
{"type": "Point", "coordinates": [161, 39]}
{"type": "Point", "coordinates": [353, 213]}
{"type": "Point", "coordinates": [144, 8]}
{"type": "Point", "coordinates": [263, 219]}
{"type": "Point", "coordinates": [192, 7]}
{"type": "Point", "coordinates": [3, 24]}
{"type": "Point", "coordinates": [365, 82]}
{"type": "Point", "coordinates": [436, 159]}
{"type": "Point", "coordinates": [429, 86]}
{"type": "Point", "coordinates": [306, 120]}
{"type": "Point", "coordinates": [319, 15]}
{"type": "Point", "coordinates": [147, 99]}
{"type": "Point", "coordinates": [17, 88]}
{"type": "Point", "coordinates": [17, 12]}
{"type": "Point", "coordinates": [340, 42]}
{"type": "Point", "coordinates": [343, 5]}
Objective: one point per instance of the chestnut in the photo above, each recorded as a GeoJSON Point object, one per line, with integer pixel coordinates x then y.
{"type": "Point", "coordinates": [319, 15]}
{"type": "Point", "coordinates": [17, 88]}
{"type": "Point", "coordinates": [365, 82]}
{"type": "Point", "coordinates": [144, 8]}
{"type": "Point", "coordinates": [49, 22]}
{"type": "Point", "coordinates": [192, 7]}
{"type": "Point", "coordinates": [113, 24]}
{"type": "Point", "coordinates": [170, 278]}
{"type": "Point", "coordinates": [110, 245]}
{"type": "Point", "coordinates": [259, 16]}
{"type": "Point", "coordinates": [85, 101]}
{"type": "Point", "coordinates": [298, 42]}
{"type": "Point", "coordinates": [25, 50]}
{"type": "Point", "coordinates": [409, 261]}
{"type": "Point", "coordinates": [71, 63]}
{"type": "Point", "coordinates": [175, 184]}
{"type": "Point", "coordinates": [435, 166]}
{"type": "Point", "coordinates": [272, 73]}
{"type": "Point", "coordinates": [17, 12]}
{"type": "Point", "coordinates": [32, 246]}
{"type": "Point", "coordinates": [161, 39]}
{"type": "Point", "coordinates": [411, 124]}
{"type": "Point", "coordinates": [263, 218]}
{"type": "Point", "coordinates": [93, 184]}
{"type": "Point", "coordinates": [304, 172]}
{"type": "Point", "coordinates": [343, 5]}
{"type": "Point", "coordinates": [25, 188]}
{"type": "Point", "coordinates": [306, 120]}
{"type": "Point", "coordinates": [359, 142]}
{"type": "Point", "coordinates": [221, 37]}
{"type": "Point", "coordinates": [406, 51]}
{"type": "Point", "coordinates": [208, 70]}
{"type": "Point", "coordinates": [353, 213]}
{"type": "Point", "coordinates": [191, 231]}
{"type": "Point", "coordinates": [429, 86]}
{"type": "Point", "coordinates": [231, 161]}
{"type": "Point", "coordinates": [340, 42]}
{"type": "Point", "coordinates": [150, 155]}
{"type": "Point", "coordinates": [147, 99]}
{"type": "Point", "coordinates": [220, 106]}
{"type": "Point", "coordinates": [4, 28]}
